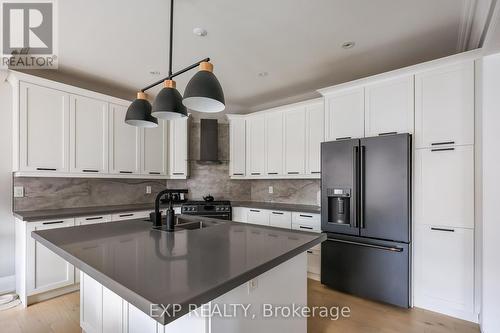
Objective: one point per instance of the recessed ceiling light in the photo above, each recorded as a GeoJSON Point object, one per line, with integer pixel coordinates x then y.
{"type": "Point", "coordinates": [200, 32]}
{"type": "Point", "coordinates": [263, 74]}
{"type": "Point", "coordinates": [348, 45]}
{"type": "Point", "coordinates": [154, 72]}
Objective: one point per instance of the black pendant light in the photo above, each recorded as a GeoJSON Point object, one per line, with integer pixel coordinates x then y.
{"type": "Point", "coordinates": [203, 92]}
{"type": "Point", "coordinates": [139, 112]}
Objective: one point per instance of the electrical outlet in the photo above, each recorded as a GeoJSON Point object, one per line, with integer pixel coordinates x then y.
{"type": "Point", "coordinates": [252, 285]}
{"type": "Point", "coordinates": [18, 192]}
{"type": "Point", "coordinates": [148, 189]}
{"type": "Point", "coordinates": [271, 190]}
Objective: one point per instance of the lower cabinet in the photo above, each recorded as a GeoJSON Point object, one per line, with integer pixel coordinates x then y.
{"type": "Point", "coordinates": [45, 270]}
{"type": "Point", "coordinates": [240, 214]}
{"type": "Point", "coordinates": [280, 219]}
{"type": "Point", "coordinates": [306, 221]}
{"type": "Point", "coordinates": [314, 263]}
{"type": "Point", "coordinates": [444, 270]}
{"type": "Point", "coordinates": [258, 216]}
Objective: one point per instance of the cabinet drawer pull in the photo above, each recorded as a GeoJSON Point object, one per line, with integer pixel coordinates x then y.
{"type": "Point", "coordinates": [53, 222]}
{"type": "Point", "coordinates": [154, 173]}
{"type": "Point", "coordinates": [126, 215]}
{"type": "Point", "coordinates": [255, 173]}
{"type": "Point", "coordinates": [178, 173]}
{"type": "Point", "coordinates": [443, 149]}
{"type": "Point", "coordinates": [443, 143]}
{"type": "Point", "coordinates": [387, 133]}
{"type": "Point", "coordinates": [344, 138]}
{"type": "Point", "coordinates": [93, 218]}
{"type": "Point", "coordinates": [293, 172]}
{"type": "Point", "coordinates": [125, 171]}
{"type": "Point", "coordinates": [46, 169]}
{"type": "Point", "coordinates": [309, 251]}
{"type": "Point", "coordinates": [308, 228]}
{"type": "Point", "coordinates": [255, 210]}
{"type": "Point", "coordinates": [272, 173]}
{"type": "Point", "coordinates": [88, 170]}
{"type": "Point", "coordinates": [443, 229]}
{"type": "Point", "coordinates": [237, 174]}
{"type": "Point", "coordinates": [308, 216]}
{"type": "Point", "coordinates": [315, 172]}
{"type": "Point", "coordinates": [277, 213]}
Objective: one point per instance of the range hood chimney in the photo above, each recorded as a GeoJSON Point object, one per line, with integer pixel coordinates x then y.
{"type": "Point", "coordinates": [209, 142]}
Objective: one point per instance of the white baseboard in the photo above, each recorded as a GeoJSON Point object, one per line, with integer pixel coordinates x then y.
{"type": "Point", "coordinates": [7, 284]}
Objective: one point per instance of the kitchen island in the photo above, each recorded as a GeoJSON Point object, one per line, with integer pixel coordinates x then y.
{"type": "Point", "coordinates": [208, 276]}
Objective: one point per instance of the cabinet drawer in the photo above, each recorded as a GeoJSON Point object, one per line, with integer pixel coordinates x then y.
{"type": "Point", "coordinates": [130, 215]}
{"type": "Point", "coordinates": [240, 214]}
{"type": "Point", "coordinates": [307, 219]}
{"type": "Point", "coordinates": [258, 216]}
{"type": "Point", "coordinates": [92, 219]}
{"type": "Point", "coordinates": [280, 219]}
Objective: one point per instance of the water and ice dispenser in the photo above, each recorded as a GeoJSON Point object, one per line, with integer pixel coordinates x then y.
{"type": "Point", "coordinates": [339, 201]}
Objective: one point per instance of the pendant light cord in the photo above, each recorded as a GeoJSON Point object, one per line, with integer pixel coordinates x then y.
{"type": "Point", "coordinates": [171, 37]}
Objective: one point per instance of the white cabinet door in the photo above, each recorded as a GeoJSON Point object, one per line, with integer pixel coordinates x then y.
{"type": "Point", "coordinates": [45, 269]}
{"type": "Point", "coordinates": [315, 132]}
{"type": "Point", "coordinates": [139, 322]}
{"type": "Point", "coordinates": [444, 186]}
{"type": "Point", "coordinates": [280, 219]}
{"type": "Point", "coordinates": [345, 114]}
{"type": "Point", "coordinates": [444, 106]}
{"type": "Point", "coordinates": [256, 145]}
{"type": "Point", "coordinates": [237, 143]}
{"type": "Point", "coordinates": [179, 142]}
{"type": "Point", "coordinates": [43, 129]}
{"type": "Point", "coordinates": [258, 216]}
{"type": "Point", "coordinates": [112, 312]}
{"type": "Point", "coordinates": [124, 139]}
{"type": "Point", "coordinates": [274, 143]}
{"type": "Point", "coordinates": [444, 272]}
{"type": "Point", "coordinates": [91, 305]}
{"type": "Point", "coordinates": [155, 149]}
{"type": "Point", "coordinates": [240, 214]}
{"type": "Point", "coordinates": [88, 135]}
{"type": "Point", "coordinates": [295, 141]}
{"type": "Point", "coordinates": [389, 106]}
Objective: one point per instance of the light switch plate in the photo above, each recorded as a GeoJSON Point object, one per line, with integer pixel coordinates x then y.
{"type": "Point", "coordinates": [271, 190]}
{"type": "Point", "coordinates": [18, 191]}
{"type": "Point", "coordinates": [148, 189]}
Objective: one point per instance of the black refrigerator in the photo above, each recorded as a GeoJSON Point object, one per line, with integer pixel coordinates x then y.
{"type": "Point", "coordinates": [366, 214]}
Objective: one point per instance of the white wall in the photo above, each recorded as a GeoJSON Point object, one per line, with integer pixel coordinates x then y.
{"type": "Point", "coordinates": [7, 269]}
{"type": "Point", "coordinates": [490, 314]}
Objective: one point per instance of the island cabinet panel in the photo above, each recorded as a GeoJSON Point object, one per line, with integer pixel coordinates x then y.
{"type": "Point", "coordinates": [274, 143]}
{"type": "Point", "coordinates": [138, 321]}
{"type": "Point", "coordinates": [256, 145]}
{"type": "Point", "coordinates": [43, 129]}
{"type": "Point", "coordinates": [389, 106]}
{"type": "Point", "coordinates": [45, 269]}
{"type": "Point", "coordinates": [344, 114]}
{"type": "Point", "coordinates": [295, 141]}
{"type": "Point", "coordinates": [88, 135]}
{"type": "Point", "coordinates": [155, 150]}
{"type": "Point", "coordinates": [237, 143]}
{"type": "Point", "coordinates": [91, 305]}
{"type": "Point", "coordinates": [444, 106]}
{"type": "Point", "coordinates": [125, 141]}
{"type": "Point", "coordinates": [113, 312]}
{"type": "Point", "coordinates": [315, 132]}
{"type": "Point", "coordinates": [178, 147]}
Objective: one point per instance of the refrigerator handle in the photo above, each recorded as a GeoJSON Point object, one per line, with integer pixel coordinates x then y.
{"type": "Point", "coordinates": [354, 199]}
{"type": "Point", "coordinates": [362, 187]}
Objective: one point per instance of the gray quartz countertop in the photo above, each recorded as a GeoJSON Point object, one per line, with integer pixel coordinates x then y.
{"type": "Point", "coordinates": [277, 206]}
{"type": "Point", "coordinates": [145, 266]}
{"type": "Point", "coordinates": [49, 214]}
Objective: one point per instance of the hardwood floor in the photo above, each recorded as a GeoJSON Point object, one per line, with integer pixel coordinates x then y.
{"type": "Point", "coordinates": [61, 315]}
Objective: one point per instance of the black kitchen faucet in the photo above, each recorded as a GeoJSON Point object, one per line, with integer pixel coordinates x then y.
{"type": "Point", "coordinates": [172, 195]}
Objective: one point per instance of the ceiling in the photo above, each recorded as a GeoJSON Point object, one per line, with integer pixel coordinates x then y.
{"type": "Point", "coordinates": [297, 42]}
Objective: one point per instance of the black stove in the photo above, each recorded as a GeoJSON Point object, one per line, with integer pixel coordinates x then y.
{"type": "Point", "coordinates": [220, 209]}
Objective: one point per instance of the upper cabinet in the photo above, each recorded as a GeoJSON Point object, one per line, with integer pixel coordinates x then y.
{"type": "Point", "coordinates": [315, 134]}
{"type": "Point", "coordinates": [389, 107]}
{"type": "Point", "coordinates": [43, 125]}
{"type": "Point", "coordinates": [256, 145]}
{"type": "Point", "coordinates": [88, 135]}
{"type": "Point", "coordinates": [295, 141]}
{"type": "Point", "coordinates": [444, 106]}
{"type": "Point", "coordinates": [345, 114]}
{"type": "Point", "coordinates": [124, 149]}
{"type": "Point", "coordinates": [179, 152]}
{"type": "Point", "coordinates": [274, 143]}
{"type": "Point", "coordinates": [237, 143]}
{"type": "Point", "coordinates": [65, 131]}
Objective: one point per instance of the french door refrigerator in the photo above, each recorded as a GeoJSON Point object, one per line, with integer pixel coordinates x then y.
{"type": "Point", "coordinates": [366, 213]}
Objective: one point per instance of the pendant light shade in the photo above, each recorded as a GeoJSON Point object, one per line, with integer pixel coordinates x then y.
{"type": "Point", "coordinates": [168, 104]}
{"type": "Point", "coordinates": [203, 92]}
{"type": "Point", "coordinates": [139, 113]}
